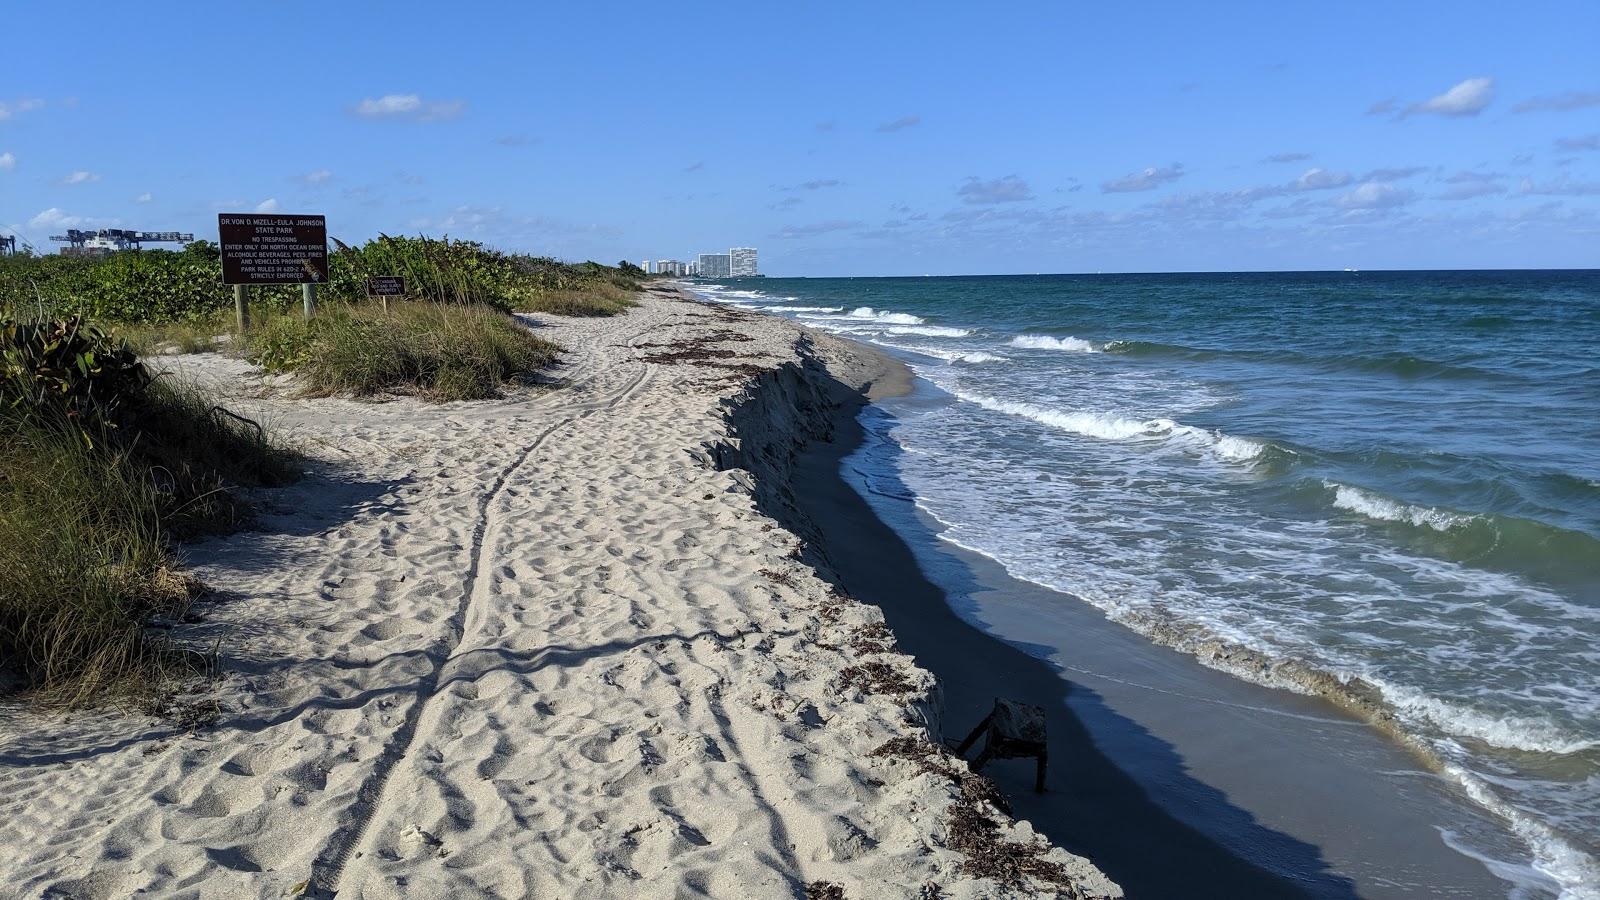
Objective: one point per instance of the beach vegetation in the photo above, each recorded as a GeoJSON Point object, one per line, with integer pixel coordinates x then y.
{"type": "Point", "coordinates": [164, 287]}
{"type": "Point", "coordinates": [441, 351]}
{"type": "Point", "coordinates": [102, 466]}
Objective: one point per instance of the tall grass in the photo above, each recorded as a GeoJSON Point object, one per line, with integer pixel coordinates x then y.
{"type": "Point", "coordinates": [600, 299]}
{"type": "Point", "coordinates": [441, 351]}
{"type": "Point", "coordinates": [83, 563]}
{"type": "Point", "coordinates": [204, 334]}
{"type": "Point", "coordinates": [90, 497]}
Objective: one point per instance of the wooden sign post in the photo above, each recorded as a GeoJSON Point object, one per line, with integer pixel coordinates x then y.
{"type": "Point", "coordinates": [272, 248]}
{"type": "Point", "coordinates": [385, 286]}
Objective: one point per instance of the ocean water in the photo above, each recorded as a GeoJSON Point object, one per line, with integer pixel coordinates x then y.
{"type": "Point", "coordinates": [1389, 478]}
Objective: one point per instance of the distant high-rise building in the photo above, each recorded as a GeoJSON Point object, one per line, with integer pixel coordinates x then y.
{"type": "Point", "coordinates": [670, 267]}
{"type": "Point", "coordinates": [715, 265]}
{"type": "Point", "coordinates": [645, 265]}
{"type": "Point", "coordinates": [742, 262]}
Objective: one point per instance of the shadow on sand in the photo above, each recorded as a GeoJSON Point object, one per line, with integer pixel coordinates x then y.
{"type": "Point", "coordinates": [1092, 808]}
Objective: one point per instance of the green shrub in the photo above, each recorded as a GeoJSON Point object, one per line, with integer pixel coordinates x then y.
{"type": "Point", "coordinates": [150, 287]}
{"type": "Point", "coordinates": [67, 368]}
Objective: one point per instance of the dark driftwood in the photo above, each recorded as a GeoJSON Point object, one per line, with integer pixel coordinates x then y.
{"type": "Point", "coordinates": [1015, 730]}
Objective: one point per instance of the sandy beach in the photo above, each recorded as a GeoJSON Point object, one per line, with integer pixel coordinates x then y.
{"type": "Point", "coordinates": [554, 644]}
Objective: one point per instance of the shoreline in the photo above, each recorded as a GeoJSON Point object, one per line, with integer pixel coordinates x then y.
{"type": "Point", "coordinates": [948, 643]}
{"type": "Point", "coordinates": [545, 644]}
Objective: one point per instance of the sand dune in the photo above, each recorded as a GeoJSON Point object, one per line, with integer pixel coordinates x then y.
{"type": "Point", "coordinates": [543, 646]}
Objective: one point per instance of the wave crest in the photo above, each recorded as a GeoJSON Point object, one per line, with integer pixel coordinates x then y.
{"type": "Point", "coordinates": [1113, 427]}
{"type": "Point", "coordinates": [1377, 506]}
{"type": "Point", "coordinates": [1046, 342]}
{"type": "Point", "coordinates": [929, 330]}
{"type": "Point", "coordinates": [884, 316]}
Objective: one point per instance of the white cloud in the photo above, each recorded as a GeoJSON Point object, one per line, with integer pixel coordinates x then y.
{"type": "Point", "coordinates": [1468, 98]}
{"type": "Point", "coordinates": [789, 232]}
{"type": "Point", "coordinates": [1320, 180]}
{"type": "Point", "coordinates": [1559, 102]}
{"type": "Point", "coordinates": [1009, 189]}
{"type": "Point", "coordinates": [1374, 195]}
{"type": "Point", "coordinates": [7, 162]}
{"type": "Point", "coordinates": [16, 107]}
{"type": "Point", "coordinates": [1564, 186]}
{"type": "Point", "coordinates": [408, 106]}
{"type": "Point", "coordinates": [495, 222]}
{"type": "Point", "coordinates": [311, 179]}
{"type": "Point", "coordinates": [900, 124]}
{"type": "Point", "coordinates": [1145, 180]}
{"type": "Point", "coordinates": [267, 206]}
{"type": "Point", "coordinates": [80, 177]}
{"type": "Point", "coordinates": [1467, 190]}
{"type": "Point", "coordinates": [1393, 174]}
{"type": "Point", "coordinates": [52, 218]}
{"type": "Point", "coordinates": [145, 197]}
{"type": "Point", "coordinates": [55, 218]}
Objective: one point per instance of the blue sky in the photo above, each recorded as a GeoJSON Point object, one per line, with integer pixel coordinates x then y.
{"type": "Point", "coordinates": [839, 138]}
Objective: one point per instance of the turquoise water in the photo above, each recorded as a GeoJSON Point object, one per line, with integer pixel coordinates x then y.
{"type": "Point", "coordinates": [1386, 476]}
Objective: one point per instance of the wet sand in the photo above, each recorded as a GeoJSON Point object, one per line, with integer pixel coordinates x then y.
{"type": "Point", "coordinates": [1178, 780]}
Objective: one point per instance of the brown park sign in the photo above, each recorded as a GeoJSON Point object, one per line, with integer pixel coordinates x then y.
{"type": "Point", "coordinates": [386, 286]}
{"type": "Point", "coordinates": [273, 248]}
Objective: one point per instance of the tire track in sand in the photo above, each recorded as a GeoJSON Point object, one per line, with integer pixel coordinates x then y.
{"type": "Point", "coordinates": [327, 870]}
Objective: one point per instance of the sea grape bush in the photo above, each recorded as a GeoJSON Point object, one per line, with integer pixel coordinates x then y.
{"type": "Point", "coordinates": [149, 287]}
{"type": "Point", "coordinates": [67, 367]}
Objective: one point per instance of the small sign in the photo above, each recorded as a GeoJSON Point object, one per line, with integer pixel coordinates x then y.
{"type": "Point", "coordinates": [386, 286]}
{"type": "Point", "coordinates": [273, 248]}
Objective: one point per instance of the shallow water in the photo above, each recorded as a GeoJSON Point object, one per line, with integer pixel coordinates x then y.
{"type": "Point", "coordinates": [1389, 476]}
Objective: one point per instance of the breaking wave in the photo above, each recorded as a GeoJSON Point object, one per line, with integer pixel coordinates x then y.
{"type": "Point", "coordinates": [1376, 506]}
{"type": "Point", "coordinates": [1045, 342]}
{"type": "Point", "coordinates": [1113, 427]}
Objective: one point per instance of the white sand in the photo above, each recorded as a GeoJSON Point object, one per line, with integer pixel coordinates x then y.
{"type": "Point", "coordinates": [527, 647]}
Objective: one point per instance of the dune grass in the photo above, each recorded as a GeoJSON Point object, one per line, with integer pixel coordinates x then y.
{"type": "Point", "coordinates": [441, 351]}
{"type": "Point", "coordinates": [83, 563]}
{"type": "Point", "coordinates": [89, 506]}
{"type": "Point", "coordinates": [205, 334]}
{"type": "Point", "coordinates": [85, 543]}
{"type": "Point", "coordinates": [598, 299]}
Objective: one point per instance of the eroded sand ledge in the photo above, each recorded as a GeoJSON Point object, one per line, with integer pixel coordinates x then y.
{"type": "Point", "coordinates": [540, 646]}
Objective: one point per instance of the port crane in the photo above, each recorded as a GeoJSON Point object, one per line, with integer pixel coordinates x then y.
{"type": "Point", "coordinates": [112, 240]}
{"type": "Point", "coordinates": [8, 244]}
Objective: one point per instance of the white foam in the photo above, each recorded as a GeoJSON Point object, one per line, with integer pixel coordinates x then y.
{"type": "Point", "coordinates": [1114, 427]}
{"type": "Point", "coordinates": [929, 330]}
{"type": "Point", "coordinates": [803, 309]}
{"type": "Point", "coordinates": [1375, 506]}
{"type": "Point", "coordinates": [884, 316]}
{"type": "Point", "coordinates": [1527, 733]}
{"type": "Point", "coordinates": [1230, 447]}
{"type": "Point", "coordinates": [962, 356]}
{"type": "Point", "coordinates": [1045, 342]}
{"type": "Point", "coordinates": [1575, 871]}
